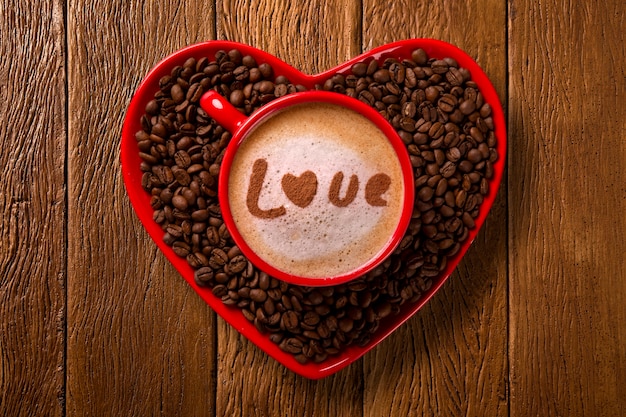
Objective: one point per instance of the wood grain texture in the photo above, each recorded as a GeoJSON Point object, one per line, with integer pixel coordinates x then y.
{"type": "Point", "coordinates": [311, 36]}
{"type": "Point", "coordinates": [140, 341]}
{"type": "Point", "coordinates": [253, 384]}
{"type": "Point", "coordinates": [94, 320]}
{"type": "Point", "coordinates": [32, 208]}
{"type": "Point", "coordinates": [568, 199]}
{"type": "Point", "coordinates": [451, 358]}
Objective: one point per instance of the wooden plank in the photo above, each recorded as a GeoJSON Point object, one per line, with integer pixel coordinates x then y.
{"type": "Point", "coordinates": [140, 341]}
{"type": "Point", "coordinates": [253, 384]}
{"type": "Point", "coordinates": [567, 223]}
{"type": "Point", "coordinates": [311, 36]}
{"type": "Point", "coordinates": [450, 359]}
{"type": "Point", "coordinates": [32, 208]}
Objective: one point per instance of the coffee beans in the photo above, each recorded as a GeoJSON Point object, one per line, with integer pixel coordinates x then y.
{"type": "Point", "coordinates": [439, 114]}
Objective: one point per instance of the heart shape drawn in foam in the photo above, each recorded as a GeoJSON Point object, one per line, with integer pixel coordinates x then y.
{"type": "Point", "coordinates": [140, 199]}
{"type": "Point", "coordinates": [300, 190]}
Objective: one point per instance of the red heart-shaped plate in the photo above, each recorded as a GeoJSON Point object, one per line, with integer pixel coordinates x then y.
{"type": "Point", "coordinates": [140, 199]}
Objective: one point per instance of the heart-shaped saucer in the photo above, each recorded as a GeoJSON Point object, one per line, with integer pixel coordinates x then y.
{"type": "Point", "coordinates": [140, 199]}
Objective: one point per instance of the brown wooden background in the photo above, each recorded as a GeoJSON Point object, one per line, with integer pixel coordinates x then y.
{"type": "Point", "coordinates": [95, 322]}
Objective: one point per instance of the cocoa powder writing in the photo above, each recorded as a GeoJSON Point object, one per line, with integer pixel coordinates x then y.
{"type": "Point", "coordinates": [335, 188]}
{"type": "Point", "coordinates": [300, 190]}
{"type": "Point", "coordinates": [259, 169]}
{"type": "Point", "coordinates": [375, 188]}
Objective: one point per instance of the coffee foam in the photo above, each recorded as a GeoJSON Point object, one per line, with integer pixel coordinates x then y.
{"type": "Point", "coordinates": [321, 239]}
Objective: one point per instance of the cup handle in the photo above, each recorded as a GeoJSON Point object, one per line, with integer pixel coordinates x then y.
{"type": "Point", "coordinates": [222, 111]}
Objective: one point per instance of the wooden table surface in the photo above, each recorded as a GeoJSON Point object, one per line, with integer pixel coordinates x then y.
{"type": "Point", "coordinates": [94, 320]}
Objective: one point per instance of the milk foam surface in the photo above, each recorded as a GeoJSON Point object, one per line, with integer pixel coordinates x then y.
{"type": "Point", "coordinates": [320, 239]}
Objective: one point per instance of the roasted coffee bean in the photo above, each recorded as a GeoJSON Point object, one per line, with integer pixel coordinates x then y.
{"type": "Point", "coordinates": [194, 93]}
{"type": "Point", "coordinates": [203, 276]}
{"type": "Point", "coordinates": [290, 321]}
{"type": "Point", "coordinates": [346, 324]}
{"type": "Point", "coordinates": [372, 66]}
{"type": "Point", "coordinates": [447, 103]}
{"type": "Point", "coordinates": [474, 156]}
{"type": "Point", "coordinates": [425, 193]}
{"type": "Point", "coordinates": [218, 258]}
{"type": "Point", "coordinates": [455, 76]}
{"type": "Point", "coordinates": [439, 66]}
{"type": "Point", "coordinates": [465, 166]}
{"type": "Point", "coordinates": [291, 345]}
{"type": "Point", "coordinates": [359, 69]}
{"type": "Point", "coordinates": [258, 295]}
{"type": "Point", "coordinates": [367, 97]}
{"type": "Point", "coordinates": [484, 186]}
{"type": "Point", "coordinates": [237, 264]}
{"type": "Point", "coordinates": [407, 124]}
{"type": "Point", "coordinates": [419, 56]}
{"type": "Point", "coordinates": [178, 95]}
{"type": "Point", "coordinates": [180, 202]}
{"type": "Point", "coordinates": [467, 107]}
{"type": "Point", "coordinates": [197, 260]}
{"type": "Point", "coordinates": [181, 249]}
{"type": "Point", "coordinates": [381, 76]}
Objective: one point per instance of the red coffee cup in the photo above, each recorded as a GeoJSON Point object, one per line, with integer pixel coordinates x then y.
{"type": "Point", "coordinates": [315, 188]}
